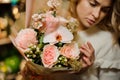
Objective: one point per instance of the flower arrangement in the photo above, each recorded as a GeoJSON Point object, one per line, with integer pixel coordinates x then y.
{"type": "Point", "coordinates": [49, 41]}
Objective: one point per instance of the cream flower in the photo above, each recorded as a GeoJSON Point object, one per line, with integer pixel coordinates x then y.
{"type": "Point", "coordinates": [62, 34]}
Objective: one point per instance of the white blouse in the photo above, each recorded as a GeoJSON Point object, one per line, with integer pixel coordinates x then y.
{"type": "Point", "coordinates": [107, 55]}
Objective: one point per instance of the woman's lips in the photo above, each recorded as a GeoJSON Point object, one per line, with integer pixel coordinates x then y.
{"type": "Point", "coordinates": [90, 21]}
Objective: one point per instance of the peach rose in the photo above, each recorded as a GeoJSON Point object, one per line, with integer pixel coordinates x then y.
{"type": "Point", "coordinates": [70, 50]}
{"type": "Point", "coordinates": [26, 37]}
{"type": "Point", "coordinates": [50, 55]}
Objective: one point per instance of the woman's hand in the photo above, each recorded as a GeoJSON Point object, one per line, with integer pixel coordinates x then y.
{"type": "Point", "coordinates": [88, 57]}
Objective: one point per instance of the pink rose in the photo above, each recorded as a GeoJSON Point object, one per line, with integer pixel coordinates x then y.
{"type": "Point", "coordinates": [50, 55]}
{"type": "Point", "coordinates": [26, 37]}
{"type": "Point", "coordinates": [70, 50]}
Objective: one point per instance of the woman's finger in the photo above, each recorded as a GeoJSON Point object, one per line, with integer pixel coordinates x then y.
{"type": "Point", "coordinates": [90, 46]}
{"type": "Point", "coordinates": [87, 61]}
{"type": "Point", "coordinates": [85, 52]}
{"type": "Point", "coordinates": [92, 51]}
{"type": "Point", "coordinates": [86, 47]}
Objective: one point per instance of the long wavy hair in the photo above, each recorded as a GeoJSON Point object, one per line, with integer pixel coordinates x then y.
{"type": "Point", "coordinates": [116, 19]}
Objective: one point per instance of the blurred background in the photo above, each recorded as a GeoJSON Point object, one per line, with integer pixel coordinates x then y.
{"type": "Point", "coordinates": [12, 18]}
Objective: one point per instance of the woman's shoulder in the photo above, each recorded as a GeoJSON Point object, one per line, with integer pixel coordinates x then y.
{"type": "Point", "coordinates": [95, 31]}
{"type": "Point", "coordinates": [96, 35]}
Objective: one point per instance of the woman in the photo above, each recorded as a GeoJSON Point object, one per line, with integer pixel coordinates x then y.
{"type": "Point", "coordinates": [94, 18]}
{"type": "Point", "coordinates": [95, 26]}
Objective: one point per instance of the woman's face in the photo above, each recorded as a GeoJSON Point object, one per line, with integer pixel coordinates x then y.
{"type": "Point", "coordinates": [91, 12]}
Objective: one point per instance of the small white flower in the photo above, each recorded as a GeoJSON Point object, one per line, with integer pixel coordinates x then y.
{"type": "Point", "coordinates": [53, 3]}
{"type": "Point", "coordinates": [35, 17]}
{"type": "Point", "coordinates": [37, 24]}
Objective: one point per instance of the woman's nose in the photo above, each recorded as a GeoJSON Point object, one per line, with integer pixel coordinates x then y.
{"type": "Point", "coordinates": [96, 12]}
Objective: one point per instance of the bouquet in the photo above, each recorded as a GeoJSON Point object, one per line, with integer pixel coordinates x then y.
{"type": "Point", "coordinates": [49, 44]}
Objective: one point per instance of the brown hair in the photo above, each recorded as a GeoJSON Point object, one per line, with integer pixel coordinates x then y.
{"type": "Point", "coordinates": [116, 19]}
{"type": "Point", "coordinates": [106, 23]}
